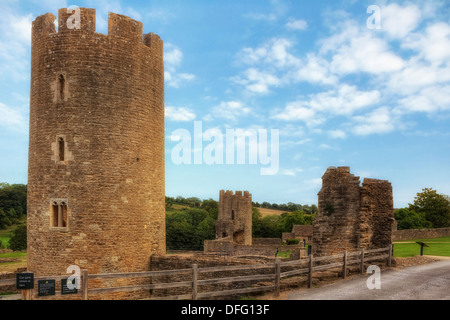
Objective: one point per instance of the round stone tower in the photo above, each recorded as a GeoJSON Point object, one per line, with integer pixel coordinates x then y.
{"type": "Point", "coordinates": [96, 194]}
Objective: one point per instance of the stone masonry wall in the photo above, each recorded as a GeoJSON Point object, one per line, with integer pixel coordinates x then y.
{"type": "Point", "coordinates": [420, 234]}
{"type": "Point", "coordinates": [351, 216]}
{"type": "Point", "coordinates": [235, 217]}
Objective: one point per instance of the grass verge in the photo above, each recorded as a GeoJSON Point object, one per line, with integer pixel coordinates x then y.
{"type": "Point", "coordinates": [409, 248]}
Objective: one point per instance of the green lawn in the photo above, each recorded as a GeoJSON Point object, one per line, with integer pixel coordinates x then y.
{"type": "Point", "coordinates": [409, 248]}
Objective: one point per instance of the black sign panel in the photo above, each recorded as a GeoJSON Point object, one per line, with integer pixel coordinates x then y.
{"type": "Point", "coordinates": [46, 288]}
{"type": "Point", "coordinates": [25, 281]}
{"type": "Point", "coordinates": [65, 289]}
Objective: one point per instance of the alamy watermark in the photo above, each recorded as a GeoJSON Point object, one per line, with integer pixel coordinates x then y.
{"type": "Point", "coordinates": [374, 21]}
{"type": "Point", "coordinates": [74, 21]}
{"type": "Point", "coordinates": [236, 146]}
{"type": "Point", "coordinates": [74, 281]}
{"type": "Point", "coordinates": [374, 281]}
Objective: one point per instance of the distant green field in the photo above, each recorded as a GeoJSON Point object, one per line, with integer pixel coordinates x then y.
{"type": "Point", "coordinates": [409, 248]}
{"type": "Point", "coordinates": [5, 235]}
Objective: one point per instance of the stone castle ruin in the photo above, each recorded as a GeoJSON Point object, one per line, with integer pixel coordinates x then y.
{"type": "Point", "coordinates": [96, 194]}
{"type": "Point", "coordinates": [351, 216]}
{"type": "Point", "coordinates": [234, 231]}
{"type": "Point", "coordinates": [96, 184]}
{"type": "Point", "coordinates": [234, 220]}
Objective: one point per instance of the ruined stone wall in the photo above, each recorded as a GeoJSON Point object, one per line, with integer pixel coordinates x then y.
{"type": "Point", "coordinates": [336, 223]}
{"type": "Point", "coordinates": [96, 194]}
{"type": "Point", "coordinates": [420, 234]}
{"type": "Point", "coordinates": [235, 217]}
{"type": "Point", "coordinates": [376, 214]}
{"type": "Point", "coordinates": [351, 216]}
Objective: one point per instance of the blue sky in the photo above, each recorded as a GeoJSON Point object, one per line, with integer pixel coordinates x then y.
{"type": "Point", "coordinates": [340, 93]}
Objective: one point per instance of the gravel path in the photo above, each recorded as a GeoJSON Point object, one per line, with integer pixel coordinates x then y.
{"type": "Point", "coordinates": [420, 282]}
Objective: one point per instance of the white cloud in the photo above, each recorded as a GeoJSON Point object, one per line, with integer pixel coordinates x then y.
{"type": "Point", "coordinates": [172, 55]}
{"type": "Point", "coordinates": [272, 53]}
{"type": "Point", "coordinates": [399, 21]}
{"type": "Point", "coordinates": [256, 81]}
{"type": "Point", "coordinates": [297, 25]}
{"type": "Point", "coordinates": [173, 58]}
{"type": "Point", "coordinates": [11, 118]}
{"type": "Point", "coordinates": [15, 44]}
{"type": "Point", "coordinates": [430, 99]}
{"type": "Point", "coordinates": [179, 114]}
{"type": "Point", "coordinates": [313, 109]}
{"type": "Point", "coordinates": [230, 110]}
{"type": "Point", "coordinates": [378, 121]}
{"type": "Point", "coordinates": [365, 53]}
{"type": "Point", "coordinates": [337, 134]}
{"type": "Point", "coordinates": [295, 111]}
{"type": "Point", "coordinates": [432, 45]}
{"type": "Point", "coordinates": [315, 70]}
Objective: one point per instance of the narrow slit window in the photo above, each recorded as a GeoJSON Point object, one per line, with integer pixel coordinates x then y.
{"type": "Point", "coordinates": [62, 86]}
{"type": "Point", "coordinates": [61, 149]}
{"type": "Point", "coordinates": [63, 216]}
{"type": "Point", "coordinates": [55, 209]}
{"type": "Point", "coordinates": [232, 214]}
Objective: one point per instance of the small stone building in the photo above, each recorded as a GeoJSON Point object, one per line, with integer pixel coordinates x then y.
{"type": "Point", "coordinates": [351, 216]}
{"type": "Point", "coordinates": [302, 232]}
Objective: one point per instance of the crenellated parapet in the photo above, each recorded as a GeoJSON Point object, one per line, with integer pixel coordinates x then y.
{"type": "Point", "coordinates": [81, 22]}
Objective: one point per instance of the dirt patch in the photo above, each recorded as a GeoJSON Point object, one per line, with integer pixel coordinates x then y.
{"type": "Point", "coordinates": [416, 261]}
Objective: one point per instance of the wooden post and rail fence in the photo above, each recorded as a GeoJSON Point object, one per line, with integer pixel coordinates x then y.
{"type": "Point", "coordinates": [297, 267]}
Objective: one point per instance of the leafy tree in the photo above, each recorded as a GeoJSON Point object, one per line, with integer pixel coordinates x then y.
{"type": "Point", "coordinates": [187, 229]}
{"type": "Point", "coordinates": [434, 206]}
{"type": "Point", "coordinates": [410, 219]}
{"type": "Point", "coordinates": [212, 207]}
{"type": "Point", "coordinates": [13, 196]}
{"type": "Point", "coordinates": [18, 241]}
{"type": "Point", "coordinates": [288, 220]}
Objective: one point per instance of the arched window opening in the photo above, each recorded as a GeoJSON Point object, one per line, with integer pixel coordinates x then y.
{"type": "Point", "coordinates": [59, 214]}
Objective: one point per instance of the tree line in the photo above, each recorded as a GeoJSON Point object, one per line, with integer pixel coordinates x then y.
{"type": "Point", "coordinates": [190, 221]}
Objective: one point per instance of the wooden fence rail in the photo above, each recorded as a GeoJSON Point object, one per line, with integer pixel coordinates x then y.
{"type": "Point", "coordinates": [274, 276]}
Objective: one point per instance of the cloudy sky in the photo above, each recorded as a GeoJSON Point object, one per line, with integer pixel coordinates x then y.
{"type": "Point", "coordinates": [345, 84]}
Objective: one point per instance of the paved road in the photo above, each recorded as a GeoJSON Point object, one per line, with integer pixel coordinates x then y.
{"type": "Point", "coordinates": [425, 282]}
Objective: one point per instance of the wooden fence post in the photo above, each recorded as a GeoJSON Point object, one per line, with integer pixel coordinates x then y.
{"type": "Point", "coordinates": [84, 284]}
{"type": "Point", "coordinates": [310, 270]}
{"type": "Point", "coordinates": [361, 267]}
{"type": "Point", "coordinates": [194, 281]}
{"type": "Point", "coordinates": [390, 256]}
{"type": "Point", "coordinates": [344, 267]}
{"type": "Point", "coordinates": [27, 294]}
{"type": "Point", "coordinates": [277, 277]}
